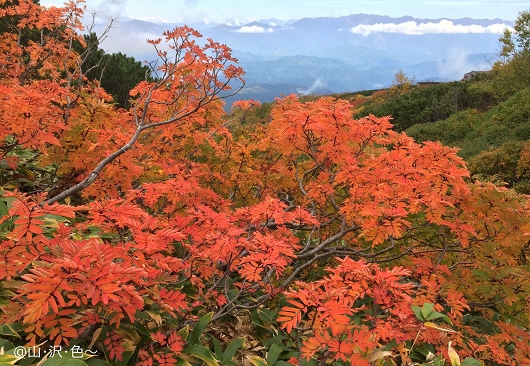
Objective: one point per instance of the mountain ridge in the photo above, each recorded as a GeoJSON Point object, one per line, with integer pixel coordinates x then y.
{"type": "Point", "coordinates": [365, 61]}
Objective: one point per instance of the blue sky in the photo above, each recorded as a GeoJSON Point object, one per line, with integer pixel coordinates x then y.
{"type": "Point", "coordinates": [245, 10]}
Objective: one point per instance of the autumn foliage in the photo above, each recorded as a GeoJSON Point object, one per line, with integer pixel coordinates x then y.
{"type": "Point", "coordinates": [144, 234]}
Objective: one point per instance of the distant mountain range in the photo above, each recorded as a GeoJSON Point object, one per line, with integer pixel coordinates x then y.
{"type": "Point", "coordinates": [333, 55]}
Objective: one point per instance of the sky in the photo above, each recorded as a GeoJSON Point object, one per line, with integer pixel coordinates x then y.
{"type": "Point", "coordinates": [248, 10]}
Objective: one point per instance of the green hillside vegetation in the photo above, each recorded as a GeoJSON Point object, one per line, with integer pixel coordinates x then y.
{"type": "Point", "coordinates": [427, 105]}
{"type": "Point", "coordinates": [508, 163]}
{"type": "Point", "coordinates": [475, 132]}
{"type": "Point", "coordinates": [495, 141]}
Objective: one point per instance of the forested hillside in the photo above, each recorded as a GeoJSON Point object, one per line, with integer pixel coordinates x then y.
{"type": "Point", "coordinates": [156, 229]}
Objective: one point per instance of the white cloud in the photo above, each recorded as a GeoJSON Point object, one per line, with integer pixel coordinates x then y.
{"type": "Point", "coordinates": [112, 8]}
{"type": "Point", "coordinates": [444, 26]}
{"type": "Point", "coordinates": [157, 20]}
{"type": "Point", "coordinates": [232, 22]}
{"type": "Point", "coordinates": [318, 84]}
{"type": "Point", "coordinates": [254, 29]}
{"type": "Point", "coordinates": [457, 63]}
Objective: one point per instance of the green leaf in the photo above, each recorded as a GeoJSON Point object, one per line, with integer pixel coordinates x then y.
{"type": "Point", "coordinates": [421, 350]}
{"type": "Point", "coordinates": [273, 354]}
{"type": "Point", "coordinates": [417, 312]}
{"type": "Point", "coordinates": [471, 362]}
{"type": "Point", "coordinates": [438, 361]}
{"type": "Point", "coordinates": [436, 315]}
{"type": "Point", "coordinates": [201, 353]}
{"type": "Point", "coordinates": [276, 339]}
{"type": "Point", "coordinates": [390, 345]}
{"type": "Point", "coordinates": [417, 355]}
{"type": "Point", "coordinates": [182, 362]}
{"type": "Point", "coordinates": [8, 359]}
{"type": "Point", "coordinates": [436, 326]}
{"type": "Point", "coordinates": [231, 350]}
{"type": "Point", "coordinates": [142, 315]}
{"type": "Point", "coordinates": [266, 315]}
{"type": "Point", "coordinates": [140, 328]}
{"type": "Point", "coordinates": [217, 347]}
{"type": "Point", "coordinates": [303, 362]}
{"type": "Point", "coordinates": [52, 218]}
{"type": "Point", "coordinates": [11, 329]}
{"type": "Point", "coordinates": [6, 344]}
{"type": "Point", "coordinates": [3, 208]}
{"type": "Point", "coordinates": [97, 362]}
{"type": "Point", "coordinates": [427, 309]}
{"type": "Point", "coordinates": [257, 361]}
{"type": "Point", "coordinates": [59, 361]}
{"type": "Point", "coordinates": [125, 359]}
{"type": "Point", "coordinates": [28, 361]}
{"type": "Point", "coordinates": [198, 329]}
{"type": "Point", "coordinates": [184, 332]}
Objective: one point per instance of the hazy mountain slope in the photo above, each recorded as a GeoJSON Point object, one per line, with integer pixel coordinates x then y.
{"type": "Point", "coordinates": [323, 54]}
{"type": "Point", "coordinates": [320, 75]}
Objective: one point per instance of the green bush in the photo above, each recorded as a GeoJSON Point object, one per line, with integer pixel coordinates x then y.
{"type": "Point", "coordinates": [475, 132]}
{"type": "Point", "coordinates": [422, 106]}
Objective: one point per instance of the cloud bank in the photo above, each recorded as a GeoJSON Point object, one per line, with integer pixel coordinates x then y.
{"type": "Point", "coordinates": [254, 29]}
{"type": "Point", "coordinates": [413, 28]}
